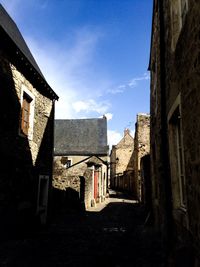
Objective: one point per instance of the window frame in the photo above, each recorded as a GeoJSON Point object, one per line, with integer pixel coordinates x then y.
{"type": "Point", "coordinates": [181, 7]}
{"type": "Point", "coordinates": [67, 161]}
{"type": "Point", "coordinates": [184, 7]}
{"type": "Point", "coordinates": [30, 99]}
{"type": "Point", "coordinates": [25, 116]}
{"type": "Point", "coordinates": [177, 153]}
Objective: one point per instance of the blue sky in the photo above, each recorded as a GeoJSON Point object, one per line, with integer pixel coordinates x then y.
{"type": "Point", "coordinates": [93, 53]}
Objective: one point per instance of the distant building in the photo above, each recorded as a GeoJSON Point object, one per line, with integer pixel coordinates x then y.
{"type": "Point", "coordinates": [122, 164]}
{"type": "Point", "coordinates": [141, 149]}
{"type": "Point", "coordinates": [26, 132]}
{"type": "Point", "coordinates": [80, 162]}
{"type": "Point", "coordinates": [175, 127]}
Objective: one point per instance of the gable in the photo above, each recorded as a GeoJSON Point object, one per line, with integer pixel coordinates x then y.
{"type": "Point", "coordinates": [127, 140]}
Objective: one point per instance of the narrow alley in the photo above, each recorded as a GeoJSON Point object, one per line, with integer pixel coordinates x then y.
{"type": "Point", "coordinates": [113, 234]}
{"type": "Point", "coordinates": [98, 95]}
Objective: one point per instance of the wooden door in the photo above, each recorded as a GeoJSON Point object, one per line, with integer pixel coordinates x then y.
{"type": "Point", "coordinates": [96, 176]}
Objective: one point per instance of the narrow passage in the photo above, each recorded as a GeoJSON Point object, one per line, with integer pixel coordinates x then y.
{"type": "Point", "coordinates": [113, 234]}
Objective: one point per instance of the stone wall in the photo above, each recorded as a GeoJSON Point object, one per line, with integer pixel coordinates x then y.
{"type": "Point", "coordinates": [63, 177]}
{"type": "Point", "coordinates": [141, 147]}
{"type": "Point", "coordinates": [155, 123]}
{"type": "Point", "coordinates": [42, 110]}
{"type": "Point", "coordinates": [124, 152]}
{"type": "Point", "coordinates": [112, 166]}
{"type": "Point", "coordinates": [122, 164]}
{"type": "Point", "coordinates": [23, 159]}
{"type": "Point", "coordinates": [185, 81]}
{"type": "Point", "coordinates": [159, 166]}
{"type": "Point", "coordinates": [76, 183]}
{"type": "Point", "coordinates": [177, 100]}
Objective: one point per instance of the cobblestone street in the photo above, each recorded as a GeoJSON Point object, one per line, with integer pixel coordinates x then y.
{"type": "Point", "coordinates": [113, 234]}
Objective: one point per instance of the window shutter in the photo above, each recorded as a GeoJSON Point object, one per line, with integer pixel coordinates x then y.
{"type": "Point", "coordinates": [25, 114]}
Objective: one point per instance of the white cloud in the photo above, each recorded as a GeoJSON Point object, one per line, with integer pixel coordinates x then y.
{"type": "Point", "coordinates": [91, 105]}
{"type": "Point", "coordinates": [117, 90]}
{"type": "Point", "coordinates": [109, 116]}
{"type": "Point", "coordinates": [113, 138]}
{"type": "Point", "coordinates": [134, 82]}
{"type": "Point", "coordinates": [67, 68]}
{"type": "Point", "coordinates": [130, 84]}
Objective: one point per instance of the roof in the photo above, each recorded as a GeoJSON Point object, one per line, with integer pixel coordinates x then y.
{"type": "Point", "coordinates": [11, 29]}
{"type": "Point", "coordinates": [81, 137]}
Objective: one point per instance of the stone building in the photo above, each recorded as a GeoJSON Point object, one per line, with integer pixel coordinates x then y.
{"type": "Point", "coordinates": [175, 127]}
{"type": "Point", "coordinates": [26, 132]}
{"type": "Point", "coordinates": [121, 164]}
{"type": "Point", "coordinates": [80, 162]}
{"type": "Point", "coordinates": [146, 192]}
{"type": "Point", "coordinates": [141, 148]}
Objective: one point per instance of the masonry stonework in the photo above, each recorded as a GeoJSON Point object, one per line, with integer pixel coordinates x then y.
{"type": "Point", "coordinates": [25, 154]}
{"type": "Point", "coordinates": [122, 164]}
{"type": "Point", "coordinates": [141, 148]}
{"type": "Point", "coordinates": [26, 133]}
{"type": "Point", "coordinates": [42, 110]}
{"type": "Point", "coordinates": [175, 127]}
{"type": "Point", "coordinates": [76, 182]}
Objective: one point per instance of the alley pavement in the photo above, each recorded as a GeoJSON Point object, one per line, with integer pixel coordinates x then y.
{"type": "Point", "coordinates": [111, 234]}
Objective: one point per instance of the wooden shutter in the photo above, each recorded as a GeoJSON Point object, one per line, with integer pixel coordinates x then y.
{"type": "Point", "coordinates": [25, 114]}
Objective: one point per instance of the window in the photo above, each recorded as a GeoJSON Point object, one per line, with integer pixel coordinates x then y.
{"type": "Point", "coordinates": [177, 155]}
{"type": "Point", "coordinates": [184, 9]}
{"type": "Point", "coordinates": [27, 112]}
{"type": "Point", "coordinates": [68, 163]}
{"type": "Point", "coordinates": [179, 10]}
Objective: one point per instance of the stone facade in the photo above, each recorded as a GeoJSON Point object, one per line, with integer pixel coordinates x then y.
{"type": "Point", "coordinates": [76, 183]}
{"type": "Point", "coordinates": [26, 162]}
{"type": "Point", "coordinates": [80, 162]}
{"type": "Point", "coordinates": [121, 164]}
{"type": "Point", "coordinates": [141, 148]}
{"type": "Point", "coordinates": [175, 127]}
{"type": "Point", "coordinates": [42, 110]}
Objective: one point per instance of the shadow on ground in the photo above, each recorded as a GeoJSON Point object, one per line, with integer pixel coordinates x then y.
{"type": "Point", "coordinates": [114, 237]}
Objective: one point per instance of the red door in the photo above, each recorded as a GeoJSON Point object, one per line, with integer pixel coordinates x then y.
{"type": "Point", "coordinates": [96, 176]}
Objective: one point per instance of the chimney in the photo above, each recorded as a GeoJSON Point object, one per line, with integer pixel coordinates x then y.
{"type": "Point", "coordinates": [126, 131]}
